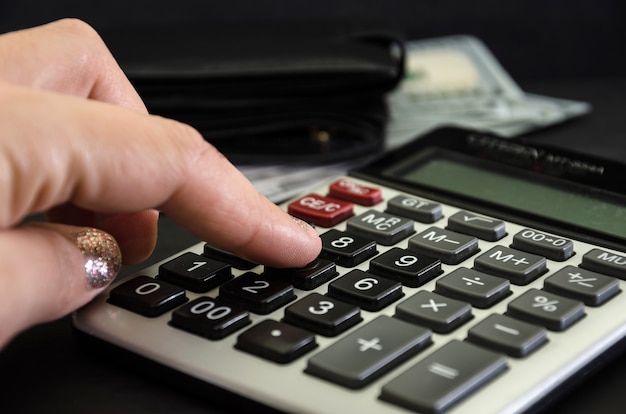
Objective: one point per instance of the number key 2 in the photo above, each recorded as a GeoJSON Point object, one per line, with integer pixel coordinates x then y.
{"type": "Point", "coordinates": [256, 293]}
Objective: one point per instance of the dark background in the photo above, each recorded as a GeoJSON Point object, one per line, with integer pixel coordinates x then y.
{"type": "Point", "coordinates": [567, 49]}
{"type": "Point", "coordinates": [532, 38]}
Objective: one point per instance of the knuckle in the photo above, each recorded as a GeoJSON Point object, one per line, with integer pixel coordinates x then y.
{"type": "Point", "coordinates": [188, 140]}
{"type": "Point", "coordinates": [76, 27]}
{"type": "Point", "coordinates": [85, 39]}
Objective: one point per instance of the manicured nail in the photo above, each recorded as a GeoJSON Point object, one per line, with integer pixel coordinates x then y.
{"type": "Point", "coordinates": [103, 258]}
{"type": "Point", "coordinates": [303, 224]}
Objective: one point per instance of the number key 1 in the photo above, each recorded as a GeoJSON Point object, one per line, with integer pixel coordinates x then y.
{"type": "Point", "coordinates": [195, 272]}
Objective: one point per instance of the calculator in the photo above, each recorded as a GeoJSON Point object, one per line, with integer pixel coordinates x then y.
{"type": "Point", "coordinates": [460, 273]}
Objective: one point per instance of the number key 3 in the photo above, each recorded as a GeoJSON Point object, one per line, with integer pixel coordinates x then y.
{"type": "Point", "coordinates": [323, 315]}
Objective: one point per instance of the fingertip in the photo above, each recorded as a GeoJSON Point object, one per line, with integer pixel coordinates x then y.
{"type": "Point", "coordinates": [311, 244]}
{"type": "Point", "coordinates": [291, 243]}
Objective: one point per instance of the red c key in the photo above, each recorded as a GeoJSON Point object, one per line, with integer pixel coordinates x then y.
{"type": "Point", "coordinates": [357, 193]}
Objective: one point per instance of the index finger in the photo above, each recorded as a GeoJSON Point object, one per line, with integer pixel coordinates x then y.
{"type": "Point", "coordinates": [109, 159]}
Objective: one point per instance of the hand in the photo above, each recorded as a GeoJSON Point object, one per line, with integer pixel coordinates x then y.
{"type": "Point", "coordinates": [77, 143]}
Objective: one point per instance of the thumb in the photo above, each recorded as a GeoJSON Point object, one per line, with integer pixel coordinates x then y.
{"type": "Point", "coordinates": [48, 270]}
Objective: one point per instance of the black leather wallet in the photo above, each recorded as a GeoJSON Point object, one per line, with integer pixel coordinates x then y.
{"type": "Point", "coordinates": [302, 91]}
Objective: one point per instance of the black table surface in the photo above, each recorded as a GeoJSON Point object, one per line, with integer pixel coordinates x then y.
{"type": "Point", "coordinates": [45, 370]}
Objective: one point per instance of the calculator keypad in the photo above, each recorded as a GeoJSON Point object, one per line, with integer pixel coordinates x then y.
{"type": "Point", "coordinates": [399, 278]}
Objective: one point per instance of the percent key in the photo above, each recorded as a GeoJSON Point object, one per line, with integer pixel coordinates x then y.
{"type": "Point", "coordinates": [552, 311]}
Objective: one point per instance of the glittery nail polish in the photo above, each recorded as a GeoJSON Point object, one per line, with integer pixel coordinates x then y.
{"type": "Point", "coordinates": [102, 255]}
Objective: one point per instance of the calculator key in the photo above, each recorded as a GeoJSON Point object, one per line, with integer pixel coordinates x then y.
{"type": "Point", "coordinates": [448, 246]}
{"type": "Point", "coordinates": [445, 377]}
{"type": "Point", "coordinates": [369, 352]}
{"type": "Point", "coordinates": [592, 288]}
{"type": "Point", "coordinates": [366, 290]}
{"type": "Point", "coordinates": [209, 318]}
{"type": "Point", "coordinates": [227, 257]}
{"type": "Point", "coordinates": [276, 341]}
{"type": "Point", "coordinates": [194, 272]}
{"type": "Point", "coordinates": [601, 261]}
{"type": "Point", "coordinates": [347, 250]}
{"type": "Point", "coordinates": [439, 313]}
{"type": "Point", "coordinates": [350, 190]}
{"type": "Point", "coordinates": [321, 211]}
{"type": "Point", "coordinates": [408, 268]}
{"type": "Point", "coordinates": [147, 296]}
{"type": "Point", "coordinates": [519, 267]}
{"type": "Point", "coordinates": [322, 314]}
{"type": "Point", "coordinates": [484, 228]}
{"type": "Point", "coordinates": [546, 309]}
{"type": "Point", "coordinates": [505, 334]}
{"type": "Point", "coordinates": [308, 277]}
{"type": "Point", "coordinates": [416, 209]}
{"type": "Point", "coordinates": [383, 228]}
{"type": "Point", "coordinates": [479, 289]}
{"type": "Point", "coordinates": [543, 244]}
{"type": "Point", "coordinates": [257, 293]}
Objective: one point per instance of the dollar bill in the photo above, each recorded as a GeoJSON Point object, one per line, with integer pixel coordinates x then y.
{"type": "Point", "coordinates": [456, 80]}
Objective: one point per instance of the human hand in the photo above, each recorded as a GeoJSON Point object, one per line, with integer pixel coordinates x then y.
{"type": "Point", "coordinates": [77, 143]}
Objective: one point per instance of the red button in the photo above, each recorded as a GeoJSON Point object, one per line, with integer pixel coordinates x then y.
{"type": "Point", "coordinates": [319, 210]}
{"type": "Point", "coordinates": [355, 192]}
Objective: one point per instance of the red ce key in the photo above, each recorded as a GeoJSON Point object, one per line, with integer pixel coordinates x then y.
{"type": "Point", "coordinates": [319, 210]}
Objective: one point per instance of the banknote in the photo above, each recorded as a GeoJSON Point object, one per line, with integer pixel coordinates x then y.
{"type": "Point", "coordinates": [456, 80]}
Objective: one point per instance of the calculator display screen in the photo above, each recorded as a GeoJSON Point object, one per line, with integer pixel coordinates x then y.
{"type": "Point", "coordinates": [539, 196]}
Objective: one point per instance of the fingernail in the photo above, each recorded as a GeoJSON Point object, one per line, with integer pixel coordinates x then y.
{"type": "Point", "coordinates": [303, 224]}
{"type": "Point", "coordinates": [103, 258]}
